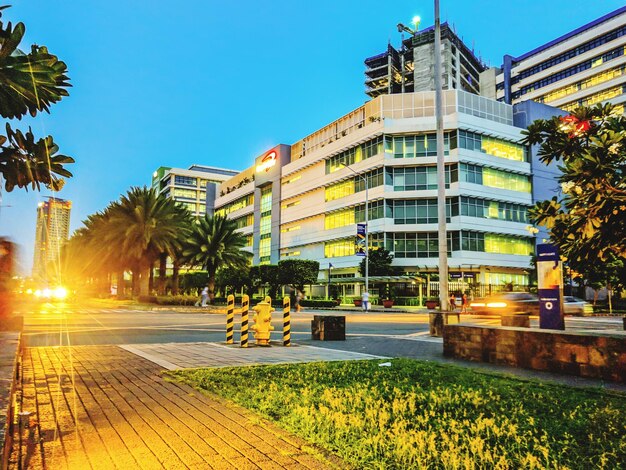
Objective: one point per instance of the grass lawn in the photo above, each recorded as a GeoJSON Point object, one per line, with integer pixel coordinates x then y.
{"type": "Point", "coordinates": [423, 415]}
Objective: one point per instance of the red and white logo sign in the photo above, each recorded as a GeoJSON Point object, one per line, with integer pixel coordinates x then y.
{"type": "Point", "coordinates": [267, 162]}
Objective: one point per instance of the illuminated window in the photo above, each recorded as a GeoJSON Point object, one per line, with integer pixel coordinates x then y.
{"type": "Point", "coordinates": [237, 204]}
{"type": "Point", "coordinates": [249, 240]}
{"type": "Point", "coordinates": [265, 245]}
{"type": "Point", "coordinates": [291, 229]}
{"type": "Point", "coordinates": [354, 155]}
{"type": "Point", "coordinates": [186, 193]}
{"type": "Point", "coordinates": [596, 98]}
{"type": "Point", "coordinates": [338, 248]}
{"type": "Point", "coordinates": [290, 253]}
{"type": "Point", "coordinates": [494, 178]}
{"type": "Point", "coordinates": [266, 199]}
{"type": "Point", "coordinates": [190, 206]}
{"type": "Point", "coordinates": [291, 204]}
{"type": "Point", "coordinates": [339, 190]}
{"type": "Point", "coordinates": [490, 146]}
{"type": "Point", "coordinates": [265, 225]}
{"type": "Point", "coordinates": [245, 221]}
{"type": "Point", "coordinates": [509, 245]}
{"type": "Point", "coordinates": [339, 219]}
{"type": "Point", "coordinates": [505, 278]}
{"type": "Point", "coordinates": [292, 179]}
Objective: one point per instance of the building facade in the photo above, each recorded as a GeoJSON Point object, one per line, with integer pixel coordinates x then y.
{"type": "Point", "coordinates": [304, 200]}
{"type": "Point", "coordinates": [52, 232]}
{"type": "Point", "coordinates": [195, 188]}
{"type": "Point", "coordinates": [581, 68]}
{"type": "Point", "coordinates": [411, 67]}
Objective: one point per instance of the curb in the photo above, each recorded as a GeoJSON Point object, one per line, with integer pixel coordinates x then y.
{"type": "Point", "coordinates": [13, 403]}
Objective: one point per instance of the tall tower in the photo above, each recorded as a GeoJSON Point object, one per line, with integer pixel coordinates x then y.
{"type": "Point", "coordinates": [53, 229]}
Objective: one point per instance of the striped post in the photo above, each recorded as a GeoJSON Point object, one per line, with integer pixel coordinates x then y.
{"type": "Point", "coordinates": [245, 302]}
{"type": "Point", "coordinates": [230, 318]}
{"type": "Point", "coordinates": [286, 322]}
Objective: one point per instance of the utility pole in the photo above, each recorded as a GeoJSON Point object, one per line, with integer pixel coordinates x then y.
{"type": "Point", "coordinates": [441, 169]}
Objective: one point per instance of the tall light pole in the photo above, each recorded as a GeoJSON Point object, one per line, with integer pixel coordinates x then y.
{"type": "Point", "coordinates": [441, 169]}
{"type": "Point", "coordinates": [367, 228]}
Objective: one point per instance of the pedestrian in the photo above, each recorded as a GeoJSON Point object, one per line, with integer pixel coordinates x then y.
{"type": "Point", "coordinates": [299, 296]}
{"type": "Point", "coordinates": [464, 303]}
{"type": "Point", "coordinates": [365, 301]}
{"type": "Point", "coordinates": [204, 296]}
{"type": "Point", "coordinates": [452, 303]}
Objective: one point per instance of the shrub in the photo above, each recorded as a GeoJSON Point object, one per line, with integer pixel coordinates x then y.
{"type": "Point", "coordinates": [318, 303]}
{"type": "Point", "coordinates": [176, 300]}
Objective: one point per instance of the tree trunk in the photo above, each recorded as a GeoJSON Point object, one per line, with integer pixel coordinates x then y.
{"type": "Point", "coordinates": [135, 282]}
{"type": "Point", "coordinates": [162, 273]}
{"type": "Point", "coordinates": [150, 279]}
{"type": "Point", "coordinates": [211, 285]}
{"type": "Point", "coordinates": [144, 280]}
{"type": "Point", "coordinates": [120, 284]}
{"type": "Point", "coordinates": [175, 270]}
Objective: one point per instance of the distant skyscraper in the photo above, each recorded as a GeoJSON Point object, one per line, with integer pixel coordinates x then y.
{"type": "Point", "coordinates": [53, 229]}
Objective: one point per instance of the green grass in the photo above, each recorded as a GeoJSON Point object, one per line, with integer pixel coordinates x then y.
{"type": "Point", "coordinates": [423, 415]}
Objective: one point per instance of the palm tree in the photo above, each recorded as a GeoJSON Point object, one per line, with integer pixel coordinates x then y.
{"type": "Point", "coordinates": [146, 224]}
{"type": "Point", "coordinates": [30, 82]}
{"type": "Point", "coordinates": [214, 243]}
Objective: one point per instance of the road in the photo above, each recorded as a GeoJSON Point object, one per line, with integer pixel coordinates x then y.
{"type": "Point", "coordinates": [74, 324]}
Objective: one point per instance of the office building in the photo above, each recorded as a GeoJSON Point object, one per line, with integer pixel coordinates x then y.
{"type": "Point", "coordinates": [52, 231]}
{"type": "Point", "coordinates": [195, 188]}
{"type": "Point", "coordinates": [581, 68]}
{"type": "Point", "coordinates": [301, 201]}
{"type": "Point", "coordinates": [411, 67]}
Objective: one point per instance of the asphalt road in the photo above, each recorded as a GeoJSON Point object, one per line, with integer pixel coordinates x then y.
{"type": "Point", "coordinates": [74, 324]}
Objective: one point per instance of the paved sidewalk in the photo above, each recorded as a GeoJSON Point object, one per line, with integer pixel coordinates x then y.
{"type": "Point", "coordinates": [185, 355]}
{"type": "Point", "coordinates": [104, 407]}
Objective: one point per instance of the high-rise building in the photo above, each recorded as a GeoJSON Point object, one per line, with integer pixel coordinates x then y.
{"type": "Point", "coordinates": [411, 67]}
{"type": "Point", "coordinates": [300, 200]}
{"type": "Point", "coordinates": [52, 231]}
{"type": "Point", "coordinates": [581, 68]}
{"type": "Point", "coordinates": [195, 188]}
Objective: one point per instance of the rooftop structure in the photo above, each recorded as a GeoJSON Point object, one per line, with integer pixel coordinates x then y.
{"type": "Point", "coordinates": [410, 68]}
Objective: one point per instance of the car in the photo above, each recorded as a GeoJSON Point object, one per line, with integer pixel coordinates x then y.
{"type": "Point", "coordinates": [506, 302]}
{"type": "Point", "coordinates": [575, 306]}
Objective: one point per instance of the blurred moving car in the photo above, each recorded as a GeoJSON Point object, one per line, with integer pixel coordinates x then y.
{"type": "Point", "coordinates": [506, 303]}
{"type": "Point", "coordinates": [575, 306]}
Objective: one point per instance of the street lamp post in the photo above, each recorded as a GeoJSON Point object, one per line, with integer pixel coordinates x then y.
{"type": "Point", "coordinates": [367, 228]}
{"type": "Point", "coordinates": [441, 168]}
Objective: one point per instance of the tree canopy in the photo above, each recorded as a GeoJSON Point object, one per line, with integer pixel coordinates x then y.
{"type": "Point", "coordinates": [587, 219]}
{"type": "Point", "coordinates": [380, 264]}
{"type": "Point", "coordinates": [29, 83]}
{"type": "Point", "coordinates": [298, 272]}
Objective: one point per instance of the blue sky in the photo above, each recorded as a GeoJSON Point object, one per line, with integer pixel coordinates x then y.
{"type": "Point", "coordinates": [159, 83]}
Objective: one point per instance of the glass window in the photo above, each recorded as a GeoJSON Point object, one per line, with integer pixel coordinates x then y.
{"type": "Point", "coordinates": [184, 180]}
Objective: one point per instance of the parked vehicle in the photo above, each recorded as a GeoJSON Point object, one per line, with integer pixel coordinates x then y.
{"type": "Point", "coordinates": [575, 306]}
{"type": "Point", "coordinates": [506, 303]}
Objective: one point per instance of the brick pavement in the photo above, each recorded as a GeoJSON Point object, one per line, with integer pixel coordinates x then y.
{"type": "Point", "coordinates": [104, 407]}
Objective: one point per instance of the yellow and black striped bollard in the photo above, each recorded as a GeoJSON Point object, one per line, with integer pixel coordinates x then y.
{"type": "Point", "coordinates": [245, 303]}
{"type": "Point", "coordinates": [230, 318]}
{"type": "Point", "coordinates": [286, 322]}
